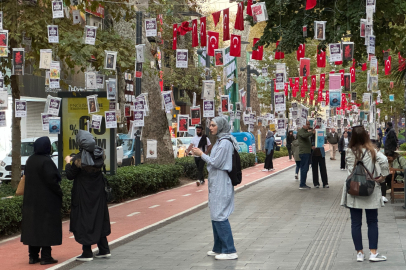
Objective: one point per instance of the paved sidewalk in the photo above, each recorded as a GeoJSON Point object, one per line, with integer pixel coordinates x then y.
{"type": "Point", "coordinates": [275, 226]}
{"type": "Point", "coordinates": [131, 219]}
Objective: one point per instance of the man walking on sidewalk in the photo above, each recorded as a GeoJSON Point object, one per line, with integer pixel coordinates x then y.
{"type": "Point", "coordinates": [332, 139]}
{"type": "Point", "coordinates": [202, 142]}
{"type": "Point", "coordinates": [305, 148]}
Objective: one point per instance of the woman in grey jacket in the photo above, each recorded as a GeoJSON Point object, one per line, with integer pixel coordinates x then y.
{"type": "Point", "coordinates": [221, 190]}
{"type": "Point", "coordinates": [361, 147]}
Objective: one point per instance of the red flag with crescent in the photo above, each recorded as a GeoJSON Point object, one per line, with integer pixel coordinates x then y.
{"type": "Point", "coordinates": [235, 46]}
{"type": "Point", "coordinates": [286, 89]}
{"type": "Point", "coordinates": [203, 38]}
{"type": "Point", "coordinates": [301, 51]}
{"type": "Point", "coordinates": [174, 36]}
{"type": "Point", "coordinates": [313, 83]}
{"type": "Point", "coordinates": [216, 17]}
{"type": "Point", "coordinates": [322, 81]}
{"type": "Point", "coordinates": [239, 19]}
{"type": "Point", "coordinates": [291, 83]}
{"type": "Point", "coordinates": [195, 34]}
{"type": "Point", "coordinates": [213, 42]}
{"type": "Point", "coordinates": [310, 4]}
{"type": "Point", "coordinates": [320, 95]}
{"type": "Point", "coordinates": [297, 83]}
{"type": "Point", "coordinates": [304, 83]}
{"type": "Point", "coordinates": [321, 59]}
{"type": "Point", "coordinates": [226, 25]}
{"type": "Point", "coordinates": [352, 72]}
{"type": "Point", "coordinates": [259, 52]}
{"type": "Point", "coordinates": [364, 66]}
{"type": "Point", "coordinates": [249, 10]}
{"type": "Point", "coordinates": [402, 63]}
{"type": "Point", "coordinates": [388, 65]}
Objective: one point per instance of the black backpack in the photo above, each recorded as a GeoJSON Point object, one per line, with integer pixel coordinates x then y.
{"type": "Point", "coordinates": [235, 174]}
{"type": "Point", "coordinates": [360, 182]}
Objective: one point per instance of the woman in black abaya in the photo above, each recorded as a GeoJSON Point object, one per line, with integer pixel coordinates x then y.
{"type": "Point", "coordinates": [89, 217]}
{"type": "Point", "coordinates": [41, 225]}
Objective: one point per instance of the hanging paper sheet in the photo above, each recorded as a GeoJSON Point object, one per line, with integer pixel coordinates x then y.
{"type": "Point", "coordinates": [53, 34]}
{"type": "Point", "coordinates": [181, 58]}
{"type": "Point", "coordinates": [54, 125]}
{"type": "Point", "coordinates": [57, 9]}
{"type": "Point", "coordinates": [335, 52]}
{"type": "Point", "coordinates": [208, 108]}
{"type": "Point", "coordinates": [150, 27]}
{"type": "Point", "coordinates": [90, 34]}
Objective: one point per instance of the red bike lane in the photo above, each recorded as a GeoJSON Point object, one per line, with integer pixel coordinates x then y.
{"type": "Point", "coordinates": [131, 217]}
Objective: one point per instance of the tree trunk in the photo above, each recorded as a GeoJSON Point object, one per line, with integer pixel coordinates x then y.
{"type": "Point", "coordinates": [15, 136]}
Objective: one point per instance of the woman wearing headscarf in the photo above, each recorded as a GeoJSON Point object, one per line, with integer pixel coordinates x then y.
{"type": "Point", "coordinates": [269, 150]}
{"type": "Point", "coordinates": [41, 225]}
{"type": "Point", "coordinates": [221, 190]}
{"type": "Point", "coordinates": [89, 217]}
{"type": "Point", "coordinates": [289, 140]}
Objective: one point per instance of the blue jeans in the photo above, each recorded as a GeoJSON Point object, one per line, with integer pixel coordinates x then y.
{"type": "Point", "coordinates": [304, 168]}
{"type": "Point", "coordinates": [297, 167]}
{"type": "Point", "coordinates": [223, 237]}
{"type": "Point", "coordinates": [356, 223]}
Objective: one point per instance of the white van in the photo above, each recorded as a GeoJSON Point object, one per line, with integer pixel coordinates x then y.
{"type": "Point", "coordinates": [27, 149]}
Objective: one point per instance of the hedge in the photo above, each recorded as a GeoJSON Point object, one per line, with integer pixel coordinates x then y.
{"type": "Point", "coordinates": [276, 154]}
{"type": "Point", "coordinates": [127, 183]}
{"type": "Point", "coordinates": [190, 168]}
{"type": "Point", "coordinates": [403, 147]}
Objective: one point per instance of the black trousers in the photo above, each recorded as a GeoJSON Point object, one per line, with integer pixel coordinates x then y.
{"type": "Point", "coordinates": [45, 252]}
{"type": "Point", "coordinates": [200, 168]}
{"type": "Point", "coordinates": [268, 161]}
{"type": "Point", "coordinates": [319, 161]}
{"type": "Point", "coordinates": [386, 185]}
{"type": "Point", "coordinates": [289, 147]}
{"type": "Point", "coordinates": [103, 246]}
{"type": "Point", "coordinates": [342, 166]}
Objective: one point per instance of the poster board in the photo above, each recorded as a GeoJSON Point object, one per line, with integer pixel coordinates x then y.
{"type": "Point", "coordinates": [74, 116]}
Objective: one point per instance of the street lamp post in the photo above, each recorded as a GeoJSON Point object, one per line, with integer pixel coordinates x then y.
{"type": "Point", "coordinates": [138, 40]}
{"type": "Point", "coordinates": [249, 71]}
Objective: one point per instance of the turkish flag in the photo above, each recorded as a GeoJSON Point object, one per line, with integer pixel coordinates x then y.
{"type": "Point", "coordinates": [338, 63]}
{"type": "Point", "coordinates": [174, 38]}
{"type": "Point", "coordinates": [354, 63]}
{"type": "Point", "coordinates": [279, 55]}
{"type": "Point", "coordinates": [300, 53]}
{"type": "Point", "coordinates": [226, 25]}
{"type": "Point", "coordinates": [235, 46]}
{"type": "Point", "coordinates": [310, 4]}
{"type": "Point", "coordinates": [304, 83]}
{"type": "Point", "coordinates": [321, 59]}
{"type": "Point", "coordinates": [195, 34]}
{"type": "Point", "coordinates": [216, 17]}
{"type": "Point", "coordinates": [342, 76]}
{"type": "Point", "coordinates": [184, 28]}
{"type": "Point", "coordinates": [332, 72]}
{"type": "Point", "coordinates": [302, 93]}
{"type": "Point", "coordinates": [352, 72]}
{"type": "Point", "coordinates": [322, 81]}
{"type": "Point", "coordinates": [320, 95]}
{"type": "Point", "coordinates": [203, 37]}
{"type": "Point", "coordinates": [249, 10]}
{"type": "Point", "coordinates": [294, 90]}
{"type": "Point", "coordinates": [213, 42]}
{"type": "Point", "coordinates": [291, 83]}
{"type": "Point", "coordinates": [402, 63]}
{"type": "Point", "coordinates": [311, 95]}
{"type": "Point", "coordinates": [297, 83]}
{"type": "Point", "coordinates": [313, 83]}
{"type": "Point", "coordinates": [239, 19]}
{"type": "Point", "coordinates": [364, 66]}
{"type": "Point", "coordinates": [259, 52]}
{"type": "Point", "coordinates": [388, 65]}
{"type": "Point", "coordinates": [286, 89]}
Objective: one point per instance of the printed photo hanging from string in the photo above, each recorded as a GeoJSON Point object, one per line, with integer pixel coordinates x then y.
{"type": "Point", "coordinates": [111, 89]}
{"type": "Point", "coordinates": [99, 81]}
{"type": "Point", "coordinates": [54, 125]}
{"type": "Point", "coordinates": [183, 123]}
{"type": "Point", "coordinates": [219, 57]}
{"type": "Point", "coordinates": [150, 27]}
{"type": "Point", "coordinates": [45, 57]}
{"type": "Point", "coordinates": [181, 58]}
{"type": "Point", "coordinates": [111, 119]}
{"type": "Point", "coordinates": [20, 108]}
{"type": "Point", "coordinates": [110, 60]}
{"type": "Point", "coordinates": [90, 78]}
{"type": "Point", "coordinates": [90, 34]}
{"type": "Point", "coordinates": [348, 51]}
{"type": "Point", "coordinates": [140, 53]}
{"type": "Point", "coordinates": [335, 52]}
{"type": "Point", "coordinates": [225, 102]}
{"type": "Point", "coordinates": [96, 121]}
{"type": "Point", "coordinates": [208, 108]}
{"type": "Point", "coordinates": [57, 9]}
{"type": "Point", "coordinates": [195, 116]}
{"type": "Point", "coordinates": [4, 38]}
{"type": "Point", "coordinates": [92, 104]}
{"type": "Point", "coordinates": [320, 30]}
{"type": "Point", "coordinates": [53, 34]}
{"type": "Point", "coordinates": [18, 61]}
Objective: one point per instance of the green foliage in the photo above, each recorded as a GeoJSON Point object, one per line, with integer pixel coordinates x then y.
{"type": "Point", "coordinates": [282, 153]}
{"type": "Point", "coordinates": [66, 186]}
{"type": "Point", "coordinates": [6, 190]}
{"type": "Point", "coordinates": [134, 181]}
{"type": "Point", "coordinates": [403, 147]}
{"type": "Point", "coordinates": [247, 160]}
{"type": "Point", "coordinates": [261, 156]}
{"type": "Point", "coordinates": [10, 215]}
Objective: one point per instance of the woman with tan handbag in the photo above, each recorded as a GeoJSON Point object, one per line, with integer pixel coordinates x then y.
{"type": "Point", "coordinates": [41, 225]}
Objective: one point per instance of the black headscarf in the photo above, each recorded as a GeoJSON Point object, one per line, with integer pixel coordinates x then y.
{"type": "Point", "coordinates": [42, 146]}
{"type": "Point", "coordinates": [87, 145]}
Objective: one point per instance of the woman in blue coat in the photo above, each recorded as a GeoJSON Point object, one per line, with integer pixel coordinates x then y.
{"type": "Point", "coordinates": [269, 149]}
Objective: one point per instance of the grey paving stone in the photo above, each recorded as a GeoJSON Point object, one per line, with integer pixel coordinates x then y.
{"type": "Point", "coordinates": [275, 226]}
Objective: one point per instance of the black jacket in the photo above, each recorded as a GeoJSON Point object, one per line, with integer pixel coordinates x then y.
{"type": "Point", "coordinates": [89, 217]}
{"type": "Point", "coordinates": [41, 215]}
{"type": "Point", "coordinates": [391, 141]}
{"type": "Point", "coordinates": [341, 144]}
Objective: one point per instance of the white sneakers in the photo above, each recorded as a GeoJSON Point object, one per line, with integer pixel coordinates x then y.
{"type": "Point", "coordinates": [384, 199]}
{"type": "Point", "coordinates": [231, 256]}
{"type": "Point", "coordinates": [264, 170]}
{"type": "Point", "coordinates": [360, 257]}
{"type": "Point", "coordinates": [372, 257]}
{"type": "Point", "coordinates": [212, 253]}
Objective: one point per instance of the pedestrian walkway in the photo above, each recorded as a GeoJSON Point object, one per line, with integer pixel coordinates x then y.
{"type": "Point", "coordinates": [131, 219]}
{"type": "Point", "coordinates": [275, 226]}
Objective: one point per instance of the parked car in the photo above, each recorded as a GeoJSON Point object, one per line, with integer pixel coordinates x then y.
{"type": "Point", "coordinates": [27, 149]}
{"type": "Point", "coordinates": [126, 150]}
